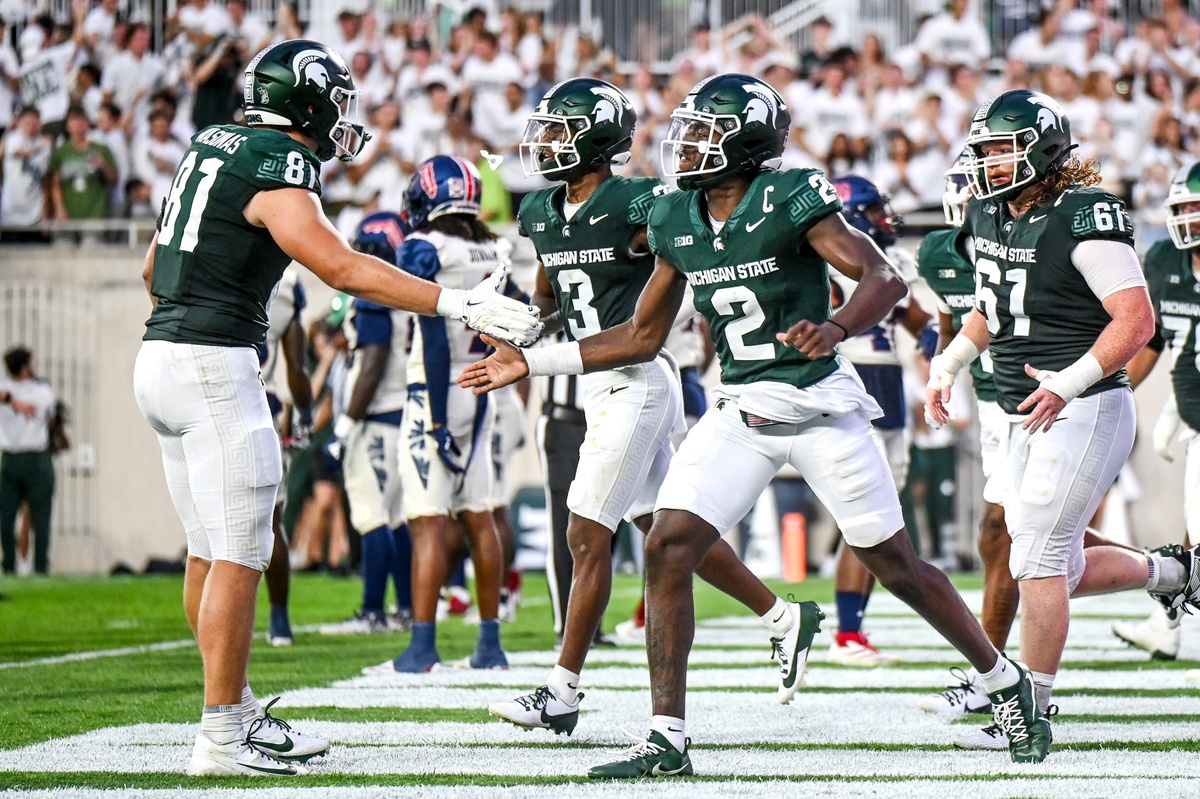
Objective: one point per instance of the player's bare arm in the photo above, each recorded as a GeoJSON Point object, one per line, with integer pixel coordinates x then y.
{"type": "Point", "coordinates": [294, 344]}
{"type": "Point", "coordinates": [880, 287]}
{"type": "Point", "coordinates": [300, 228]}
{"type": "Point", "coordinates": [374, 358]}
{"type": "Point", "coordinates": [543, 300]}
{"type": "Point", "coordinates": [636, 341]}
{"type": "Point", "coordinates": [1132, 326]}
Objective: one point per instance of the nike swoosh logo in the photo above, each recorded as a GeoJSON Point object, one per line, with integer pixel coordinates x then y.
{"type": "Point", "coordinates": [596, 219]}
{"type": "Point", "coordinates": [286, 746]}
{"type": "Point", "coordinates": [573, 687]}
{"type": "Point", "coordinates": [1035, 219]}
{"type": "Point", "coordinates": [615, 389]}
{"type": "Point", "coordinates": [659, 771]}
{"type": "Point", "coordinates": [672, 729]}
{"type": "Point", "coordinates": [750, 227]}
{"type": "Point", "coordinates": [284, 771]}
{"type": "Point", "coordinates": [780, 616]}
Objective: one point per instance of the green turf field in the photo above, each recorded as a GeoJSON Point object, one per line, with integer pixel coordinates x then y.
{"type": "Point", "coordinates": [120, 719]}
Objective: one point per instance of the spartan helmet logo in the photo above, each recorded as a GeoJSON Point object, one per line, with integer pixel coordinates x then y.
{"type": "Point", "coordinates": [610, 108]}
{"type": "Point", "coordinates": [308, 65]}
{"type": "Point", "coordinates": [1049, 114]}
{"type": "Point", "coordinates": [764, 103]}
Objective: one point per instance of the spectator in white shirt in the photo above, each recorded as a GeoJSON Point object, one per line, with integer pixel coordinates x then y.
{"type": "Point", "coordinates": [48, 72]}
{"type": "Point", "coordinates": [1040, 46]}
{"type": "Point", "coordinates": [892, 104]}
{"type": "Point", "coordinates": [962, 98]}
{"type": "Point", "coordinates": [111, 134]}
{"type": "Point", "coordinates": [98, 28]}
{"type": "Point", "coordinates": [832, 110]}
{"type": "Point", "coordinates": [532, 43]}
{"type": "Point", "coordinates": [704, 57]}
{"type": "Point", "coordinates": [353, 33]}
{"type": "Point", "coordinates": [252, 32]}
{"type": "Point", "coordinates": [372, 81]}
{"type": "Point", "coordinates": [134, 74]}
{"type": "Point", "coordinates": [24, 163]}
{"type": "Point", "coordinates": [643, 96]}
{"type": "Point", "coordinates": [487, 72]}
{"type": "Point", "coordinates": [420, 71]}
{"type": "Point", "coordinates": [952, 37]}
{"type": "Point", "coordinates": [203, 21]}
{"type": "Point", "coordinates": [157, 156]}
{"type": "Point", "coordinates": [10, 83]}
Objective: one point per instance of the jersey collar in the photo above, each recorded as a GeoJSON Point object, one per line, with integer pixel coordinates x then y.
{"type": "Point", "coordinates": [700, 216]}
{"type": "Point", "coordinates": [556, 199]}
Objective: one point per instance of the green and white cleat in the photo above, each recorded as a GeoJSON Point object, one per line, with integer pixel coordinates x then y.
{"type": "Point", "coordinates": [541, 709]}
{"type": "Point", "coordinates": [653, 757]}
{"type": "Point", "coordinates": [237, 759]}
{"type": "Point", "coordinates": [792, 649]}
{"type": "Point", "coordinates": [990, 738]}
{"type": "Point", "coordinates": [1015, 712]}
{"type": "Point", "coordinates": [276, 738]}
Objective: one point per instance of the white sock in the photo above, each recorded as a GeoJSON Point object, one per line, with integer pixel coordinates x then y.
{"type": "Point", "coordinates": [778, 619]}
{"type": "Point", "coordinates": [1167, 575]}
{"type": "Point", "coordinates": [222, 724]}
{"type": "Point", "coordinates": [1043, 685]}
{"type": "Point", "coordinates": [672, 729]}
{"type": "Point", "coordinates": [1003, 675]}
{"type": "Point", "coordinates": [565, 684]}
{"type": "Point", "coordinates": [251, 709]}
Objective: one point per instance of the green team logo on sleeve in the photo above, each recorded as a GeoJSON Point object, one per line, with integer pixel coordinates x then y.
{"type": "Point", "coordinates": [1102, 219]}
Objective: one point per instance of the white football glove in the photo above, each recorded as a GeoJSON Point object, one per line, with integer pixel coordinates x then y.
{"type": "Point", "coordinates": [1165, 428]}
{"type": "Point", "coordinates": [490, 312]}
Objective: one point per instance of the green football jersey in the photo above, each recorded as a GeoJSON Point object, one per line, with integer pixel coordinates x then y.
{"type": "Point", "coordinates": [596, 278]}
{"type": "Point", "coordinates": [1039, 308]}
{"type": "Point", "coordinates": [214, 272]}
{"type": "Point", "coordinates": [758, 276]}
{"type": "Point", "coordinates": [945, 267]}
{"type": "Point", "coordinates": [1175, 291]}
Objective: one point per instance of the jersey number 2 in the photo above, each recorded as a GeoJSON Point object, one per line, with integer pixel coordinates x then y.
{"type": "Point", "coordinates": [723, 301]}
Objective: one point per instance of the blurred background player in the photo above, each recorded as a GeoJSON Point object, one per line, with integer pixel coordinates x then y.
{"type": "Point", "coordinates": [446, 459]}
{"type": "Point", "coordinates": [877, 361]}
{"type": "Point", "coordinates": [368, 432]}
{"type": "Point", "coordinates": [1173, 278]}
{"type": "Point", "coordinates": [291, 407]}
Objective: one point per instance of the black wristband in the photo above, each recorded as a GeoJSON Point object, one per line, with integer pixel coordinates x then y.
{"type": "Point", "coordinates": [845, 332]}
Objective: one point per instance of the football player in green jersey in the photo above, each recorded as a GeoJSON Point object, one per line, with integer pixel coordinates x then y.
{"type": "Point", "coordinates": [1173, 277]}
{"type": "Point", "coordinates": [1061, 305]}
{"type": "Point", "coordinates": [244, 203]}
{"type": "Point", "coordinates": [591, 241]}
{"type": "Point", "coordinates": [753, 243]}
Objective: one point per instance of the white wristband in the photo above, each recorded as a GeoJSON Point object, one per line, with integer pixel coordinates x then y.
{"type": "Point", "coordinates": [1075, 379]}
{"type": "Point", "coordinates": [452, 303]}
{"type": "Point", "coordinates": [557, 359]}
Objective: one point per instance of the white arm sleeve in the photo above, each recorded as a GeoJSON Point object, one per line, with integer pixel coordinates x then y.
{"type": "Point", "coordinates": [1107, 266]}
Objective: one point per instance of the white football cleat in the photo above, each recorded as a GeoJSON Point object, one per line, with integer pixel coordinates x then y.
{"type": "Point", "coordinates": [630, 632]}
{"type": "Point", "coordinates": [969, 696]}
{"type": "Point", "coordinates": [276, 738]}
{"type": "Point", "coordinates": [792, 649]}
{"type": "Point", "coordinates": [361, 623]}
{"type": "Point", "coordinates": [237, 759]}
{"type": "Point", "coordinates": [990, 737]}
{"type": "Point", "coordinates": [1156, 634]}
{"type": "Point", "coordinates": [541, 709]}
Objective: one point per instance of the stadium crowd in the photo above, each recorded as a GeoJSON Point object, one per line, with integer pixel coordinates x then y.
{"type": "Point", "coordinates": [97, 121]}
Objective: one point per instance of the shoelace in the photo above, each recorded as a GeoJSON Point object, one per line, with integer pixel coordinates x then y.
{"type": "Point", "coordinates": [1008, 716]}
{"type": "Point", "coordinates": [641, 749]}
{"type": "Point", "coordinates": [536, 700]}
{"type": "Point", "coordinates": [272, 721]}
{"type": "Point", "coordinates": [992, 731]}
{"type": "Point", "coordinates": [957, 694]}
{"type": "Point", "coordinates": [777, 652]}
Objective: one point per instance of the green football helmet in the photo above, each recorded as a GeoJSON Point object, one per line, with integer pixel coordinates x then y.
{"type": "Point", "coordinates": [1185, 190]}
{"type": "Point", "coordinates": [303, 84]}
{"type": "Point", "coordinates": [579, 125]}
{"type": "Point", "coordinates": [728, 124]}
{"type": "Point", "coordinates": [1035, 127]}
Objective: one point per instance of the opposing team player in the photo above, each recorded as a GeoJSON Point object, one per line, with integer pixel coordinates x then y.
{"type": "Point", "coordinates": [877, 361]}
{"type": "Point", "coordinates": [590, 237]}
{"type": "Point", "coordinates": [1061, 305]}
{"type": "Point", "coordinates": [245, 201]}
{"type": "Point", "coordinates": [285, 342]}
{"type": "Point", "coordinates": [446, 458]}
{"type": "Point", "coordinates": [753, 243]}
{"type": "Point", "coordinates": [368, 434]}
{"type": "Point", "coordinates": [1173, 277]}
